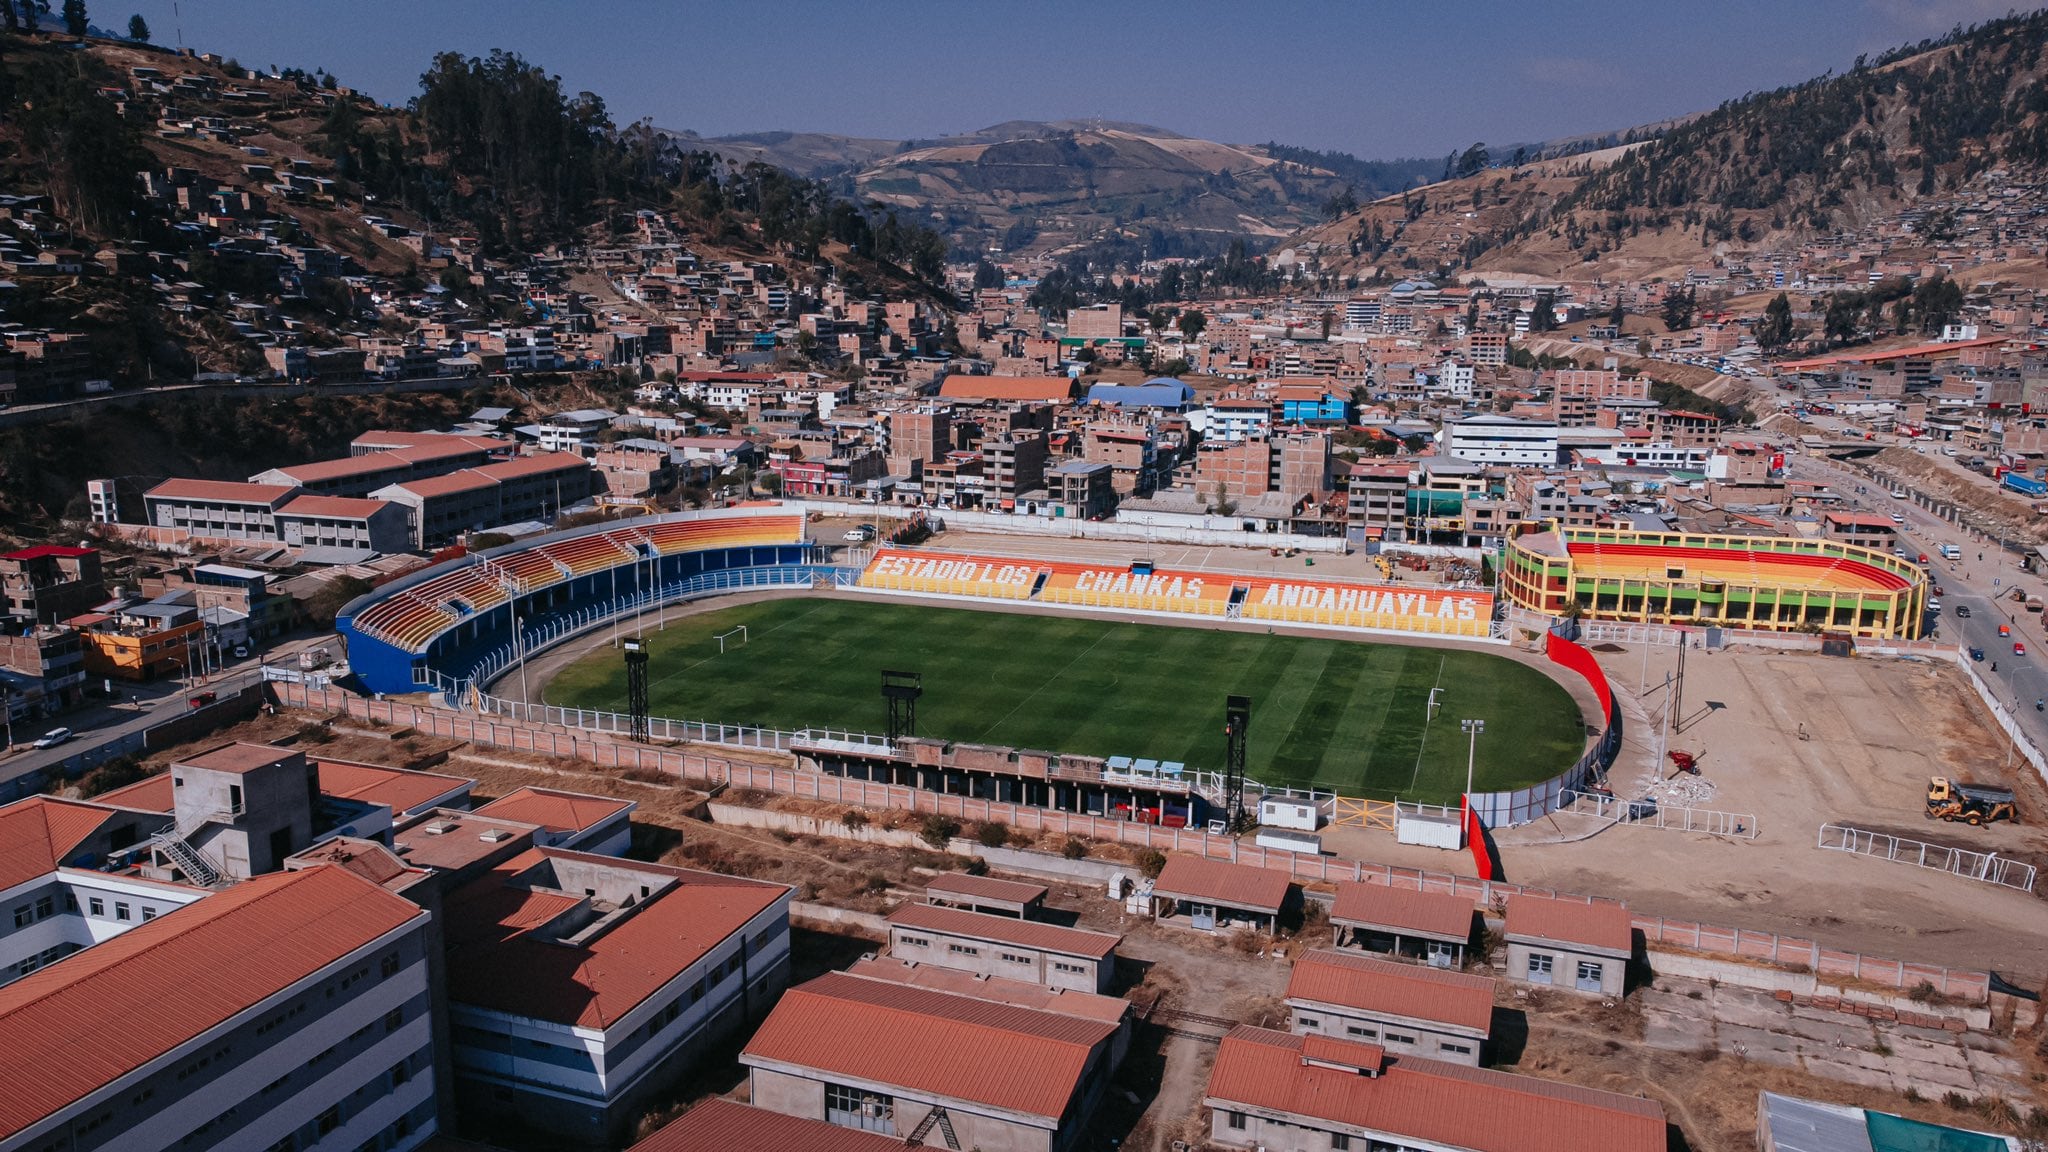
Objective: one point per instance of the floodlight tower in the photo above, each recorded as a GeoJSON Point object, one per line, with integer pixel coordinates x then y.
{"type": "Point", "coordinates": [900, 691]}
{"type": "Point", "coordinates": [636, 687]}
{"type": "Point", "coordinates": [1237, 719]}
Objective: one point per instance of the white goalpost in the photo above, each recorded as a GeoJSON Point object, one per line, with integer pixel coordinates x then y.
{"type": "Point", "coordinates": [726, 639]}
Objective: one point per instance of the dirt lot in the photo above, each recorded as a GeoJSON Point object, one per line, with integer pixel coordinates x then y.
{"type": "Point", "coordinates": [1876, 729]}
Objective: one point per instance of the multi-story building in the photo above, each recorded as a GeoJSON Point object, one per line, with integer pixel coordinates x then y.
{"type": "Point", "coordinates": [220, 509]}
{"type": "Point", "coordinates": [1377, 502]}
{"type": "Point", "coordinates": [1080, 490]}
{"type": "Point", "coordinates": [1577, 394]}
{"type": "Point", "coordinates": [1130, 450]}
{"type": "Point", "coordinates": [1504, 440]}
{"type": "Point", "coordinates": [48, 655]}
{"type": "Point", "coordinates": [581, 986]}
{"type": "Point", "coordinates": [1011, 466]}
{"type": "Point", "coordinates": [441, 508]}
{"type": "Point", "coordinates": [50, 582]}
{"type": "Point", "coordinates": [1234, 419]}
{"type": "Point", "coordinates": [917, 437]}
{"type": "Point", "coordinates": [1301, 463]}
{"type": "Point", "coordinates": [363, 473]}
{"type": "Point", "coordinates": [344, 523]}
{"type": "Point", "coordinates": [1099, 322]}
{"type": "Point", "coordinates": [1233, 470]}
{"type": "Point", "coordinates": [141, 641]}
{"type": "Point", "coordinates": [315, 1035]}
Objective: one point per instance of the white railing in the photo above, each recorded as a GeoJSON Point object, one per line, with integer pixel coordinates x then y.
{"type": "Point", "coordinates": [1648, 813]}
{"type": "Point", "coordinates": [1988, 867]}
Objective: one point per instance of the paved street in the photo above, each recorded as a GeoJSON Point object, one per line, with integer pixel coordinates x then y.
{"type": "Point", "coordinates": [1982, 581]}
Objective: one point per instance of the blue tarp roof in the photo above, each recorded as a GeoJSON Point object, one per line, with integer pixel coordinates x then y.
{"type": "Point", "coordinates": [1160, 393]}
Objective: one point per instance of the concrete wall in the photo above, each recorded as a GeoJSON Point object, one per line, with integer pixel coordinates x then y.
{"type": "Point", "coordinates": [802, 1096]}
{"type": "Point", "coordinates": [987, 958]}
{"type": "Point", "coordinates": [834, 919]}
{"type": "Point", "coordinates": [1138, 527]}
{"type": "Point", "coordinates": [1564, 967]}
{"type": "Point", "coordinates": [1373, 1028]}
{"type": "Point", "coordinates": [807, 825]}
{"type": "Point", "coordinates": [1260, 1133]}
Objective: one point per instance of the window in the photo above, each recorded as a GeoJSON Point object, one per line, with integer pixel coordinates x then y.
{"type": "Point", "coordinates": [23, 916]}
{"type": "Point", "coordinates": [390, 966]}
{"type": "Point", "coordinates": [96, 906]}
{"type": "Point", "coordinates": [1236, 1121]}
{"type": "Point", "coordinates": [121, 911]}
{"type": "Point", "coordinates": [148, 913]}
{"type": "Point", "coordinates": [1340, 1142]}
{"type": "Point", "coordinates": [1399, 1038]}
{"type": "Point", "coordinates": [1063, 966]}
{"type": "Point", "coordinates": [1308, 1022]}
{"type": "Point", "coordinates": [399, 1074]}
{"type": "Point", "coordinates": [1457, 1049]}
{"type": "Point", "coordinates": [46, 907]}
{"type": "Point", "coordinates": [915, 941]}
{"type": "Point", "coordinates": [1366, 1033]}
{"type": "Point", "coordinates": [288, 1144]}
{"type": "Point", "coordinates": [1539, 967]}
{"type": "Point", "coordinates": [963, 949]}
{"type": "Point", "coordinates": [1590, 973]}
{"type": "Point", "coordinates": [1013, 958]}
{"type": "Point", "coordinates": [855, 1108]}
{"type": "Point", "coordinates": [329, 1120]}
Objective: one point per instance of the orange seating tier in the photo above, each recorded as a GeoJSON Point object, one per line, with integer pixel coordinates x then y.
{"type": "Point", "coordinates": [1650, 561]}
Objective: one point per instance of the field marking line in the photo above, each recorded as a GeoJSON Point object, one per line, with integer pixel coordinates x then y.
{"type": "Point", "coordinates": [1049, 679]}
{"type": "Point", "coordinates": [714, 656]}
{"type": "Point", "coordinates": [1423, 742]}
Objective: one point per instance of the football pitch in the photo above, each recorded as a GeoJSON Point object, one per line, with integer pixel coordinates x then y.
{"type": "Point", "coordinates": [1339, 715]}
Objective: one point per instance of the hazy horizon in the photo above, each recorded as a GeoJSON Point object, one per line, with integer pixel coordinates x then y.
{"type": "Point", "coordinates": [1380, 81]}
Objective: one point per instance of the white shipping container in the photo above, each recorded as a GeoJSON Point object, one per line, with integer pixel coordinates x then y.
{"type": "Point", "coordinates": [1431, 831]}
{"type": "Point", "coordinates": [1306, 843]}
{"type": "Point", "coordinates": [1289, 814]}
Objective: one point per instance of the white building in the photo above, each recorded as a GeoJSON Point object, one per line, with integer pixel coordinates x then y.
{"type": "Point", "coordinates": [1454, 380]}
{"type": "Point", "coordinates": [1503, 440]}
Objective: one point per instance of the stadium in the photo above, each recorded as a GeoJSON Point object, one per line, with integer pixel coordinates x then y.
{"type": "Point", "coordinates": [1070, 659]}
{"type": "Point", "coordinates": [1750, 582]}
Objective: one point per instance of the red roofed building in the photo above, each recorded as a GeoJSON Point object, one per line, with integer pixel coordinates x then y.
{"type": "Point", "coordinates": [903, 1060]}
{"type": "Point", "coordinates": [1009, 389]}
{"type": "Point", "coordinates": [217, 509]}
{"type": "Point", "coordinates": [216, 1023]}
{"type": "Point", "coordinates": [355, 523]}
{"type": "Point", "coordinates": [581, 987]}
{"type": "Point", "coordinates": [1216, 894]}
{"type": "Point", "coordinates": [1405, 1008]}
{"type": "Point", "coordinates": [568, 819]}
{"type": "Point", "coordinates": [722, 1126]}
{"type": "Point", "coordinates": [1276, 1090]}
{"type": "Point", "coordinates": [1432, 926]}
{"type": "Point", "coordinates": [1004, 946]}
{"type": "Point", "coordinates": [1569, 943]}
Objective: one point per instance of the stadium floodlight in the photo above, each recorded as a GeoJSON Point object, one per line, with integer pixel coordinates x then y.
{"type": "Point", "coordinates": [1472, 730]}
{"type": "Point", "coordinates": [900, 693]}
{"type": "Point", "coordinates": [636, 687]}
{"type": "Point", "coordinates": [1237, 722]}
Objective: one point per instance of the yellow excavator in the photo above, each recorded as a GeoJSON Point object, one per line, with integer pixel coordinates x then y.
{"type": "Point", "coordinates": [1970, 803]}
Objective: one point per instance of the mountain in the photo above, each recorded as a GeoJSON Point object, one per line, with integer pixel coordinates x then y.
{"type": "Point", "coordinates": [1910, 127]}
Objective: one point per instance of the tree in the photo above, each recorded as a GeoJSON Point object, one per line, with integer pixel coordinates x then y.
{"type": "Point", "coordinates": [1472, 160]}
{"type": "Point", "coordinates": [1679, 306]}
{"type": "Point", "coordinates": [1191, 325]}
{"type": "Point", "coordinates": [138, 28]}
{"type": "Point", "coordinates": [74, 17]}
{"type": "Point", "coordinates": [1543, 313]}
{"type": "Point", "coordinates": [1844, 311]}
{"type": "Point", "coordinates": [1936, 303]}
{"type": "Point", "coordinates": [1618, 314]}
{"type": "Point", "coordinates": [1774, 331]}
{"type": "Point", "coordinates": [987, 275]}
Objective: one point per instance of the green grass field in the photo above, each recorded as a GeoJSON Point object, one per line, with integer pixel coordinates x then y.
{"type": "Point", "coordinates": [1339, 715]}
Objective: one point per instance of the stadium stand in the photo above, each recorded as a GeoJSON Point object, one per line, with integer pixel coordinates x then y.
{"type": "Point", "coordinates": [1142, 588]}
{"type": "Point", "coordinates": [443, 622]}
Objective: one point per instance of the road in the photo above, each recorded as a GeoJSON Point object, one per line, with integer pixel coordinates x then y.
{"type": "Point", "coordinates": [1979, 582]}
{"type": "Point", "coordinates": [133, 708]}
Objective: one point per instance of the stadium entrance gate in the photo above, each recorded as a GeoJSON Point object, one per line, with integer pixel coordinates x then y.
{"type": "Point", "coordinates": [1348, 813]}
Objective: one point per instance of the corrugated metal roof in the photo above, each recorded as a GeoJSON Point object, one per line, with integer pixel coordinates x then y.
{"type": "Point", "coordinates": [1441, 914]}
{"type": "Point", "coordinates": [1021, 993]}
{"type": "Point", "coordinates": [1388, 986]}
{"type": "Point", "coordinates": [552, 810]}
{"type": "Point", "coordinates": [985, 888]}
{"type": "Point", "coordinates": [1429, 1100]}
{"type": "Point", "coordinates": [91, 1018]}
{"type": "Point", "coordinates": [1006, 930]}
{"type": "Point", "coordinates": [494, 963]}
{"type": "Point", "coordinates": [37, 834]}
{"type": "Point", "coordinates": [1044, 389]}
{"type": "Point", "coordinates": [1600, 926]}
{"type": "Point", "coordinates": [723, 1126]}
{"type": "Point", "coordinates": [953, 1047]}
{"type": "Point", "coordinates": [1810, 1126]}
{"type": "Point", "coordinates": [1221, 882]}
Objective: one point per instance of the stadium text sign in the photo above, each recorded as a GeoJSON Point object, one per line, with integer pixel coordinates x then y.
{"type": "Point", "coordinates": [1378, 601]}
{"type": "Point", "coordinates": [1173, 585]}
{"type": "Point", "coordinates": [965, 570]}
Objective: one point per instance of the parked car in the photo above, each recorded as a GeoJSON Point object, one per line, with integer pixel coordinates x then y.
{"type": "Point", "coordinates": [241, 651]}
{"type": "Point", "coordinates": [1898, 494]}
{"type": "Point", "coordinates": [53, 737]}
{"type": "Point", "coordinates": [859, 534]}
{"type": "Point", "coordinates": [203, 699]}
{"type": "Point", "coordinates": [1977, 654]}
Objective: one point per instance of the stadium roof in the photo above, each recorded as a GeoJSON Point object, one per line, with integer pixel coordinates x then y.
{"type": "Point", "coordinates": [1390, 987]}
{"type": "Point", "coordinates": [1444, 1105]}
{"type": "Point", "coordinates": [86, 1021]}
{"type": "Point", "coordinates": [958, 1047]}
{"type": "Point", "coordinates": [1445, 915]}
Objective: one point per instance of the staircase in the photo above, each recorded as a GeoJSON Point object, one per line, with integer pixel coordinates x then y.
{"type": "Point", "coordinates": [181, 853]}
{"type": "Point", "coordinates": [935, 1116]}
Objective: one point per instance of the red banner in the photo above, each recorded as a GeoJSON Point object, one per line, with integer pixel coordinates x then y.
{"type": "Point", "coordinates": [1475, 839]}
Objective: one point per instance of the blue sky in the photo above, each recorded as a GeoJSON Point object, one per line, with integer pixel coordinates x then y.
{"type": "Point", "coordinates": [1378, 78]}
